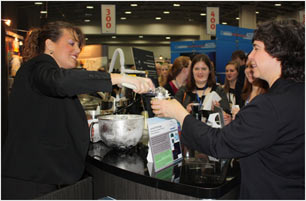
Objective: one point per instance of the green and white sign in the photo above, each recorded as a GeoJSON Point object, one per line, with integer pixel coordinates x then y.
{"type": "Point", "coordinates": [164, 142]}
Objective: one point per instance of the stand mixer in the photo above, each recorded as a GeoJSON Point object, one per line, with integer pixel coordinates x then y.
{"type": "Point", "coordinates": [119, 102]}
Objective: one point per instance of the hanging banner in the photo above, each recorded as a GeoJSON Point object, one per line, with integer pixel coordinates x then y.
{"type": "Point", "coordinates": [212, 17]}
{"type": "Point", "coordinates": [108, 18]}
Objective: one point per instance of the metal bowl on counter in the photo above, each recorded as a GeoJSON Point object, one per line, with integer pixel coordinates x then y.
{"type": "Point", "coordinates": [121, 131]}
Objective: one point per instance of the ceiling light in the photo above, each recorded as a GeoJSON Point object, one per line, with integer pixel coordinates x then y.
{"type": "Point", "coordinates": [20, 43]}
{"type": "Point", "coordinates": [87, 20]}
{"type": "Point", "coordinates": [203, 14]}
{"type": "Point", "coordinates": [158, 18]}
{"type": "Point", "coordinates": [128, 12]}
{"type": "Point", "coordinates": [114, 37]}
{"type": "Point", "coordinates": [190, 20]}
{"type": "Point", "coordinates": [237, 18]}
{"type": "Point", "coordinates": [257, 12]}
{"type": "Point", "coordinates": [123, 18]}
{"type": "Point", "coordinates": [224, 22]}
{"type": "Point", "coordinates": [277, 4]}
{"type": "Point", "coordinates": [176, 5]}
{"type": "Point", "coordinates": [168, 37]}
{"type": "Point", "coordinates": [7, 22]}
{"type": "Point", "coordinates": [134, 4]}
{"type": "Point", "coordinates": [38, 3]}
{"type": "Point", "coordinates": [166, 12]}
{"type": "Point", "coordinates": [86, 38]}
{"type": "Point", "coordinates": [43, 12]}
{"type": "Point", "coordinates": [140, 36]}
{"type": "Point", "coordinates": [89, 7]}
{"type": "Point", "coordinates": [88, 14]}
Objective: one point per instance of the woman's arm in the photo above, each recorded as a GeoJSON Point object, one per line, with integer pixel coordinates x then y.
{"type": "Point", "coordinates": [54, 81]}
{"type": "Point", "coordinates": [251, 131]}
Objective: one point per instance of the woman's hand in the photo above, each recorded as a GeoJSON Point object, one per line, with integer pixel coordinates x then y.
{"type": "Point", "coordinates": [235, 110]}
{"type": "Point", "coordinates": [215, 103]}
{"type": "Point", "coordinates": [189, 107]}
{"type": "Point", "coordinates": [227, 118]}
{"type": "Point", "coordinates": [169, 108]}
{"type": "Point", "coordinates": [142, 85]}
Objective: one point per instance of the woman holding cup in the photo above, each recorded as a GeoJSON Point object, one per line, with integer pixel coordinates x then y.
{"type": "Point", "coordinates": [201, 82]}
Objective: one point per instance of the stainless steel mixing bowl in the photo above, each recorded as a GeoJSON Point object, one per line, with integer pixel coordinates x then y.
{"type": "Point", "coordinates": [121, 131]}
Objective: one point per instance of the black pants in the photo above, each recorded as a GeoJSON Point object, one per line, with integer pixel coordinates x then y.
{"type": "Point", "coordinates": [15, 189]}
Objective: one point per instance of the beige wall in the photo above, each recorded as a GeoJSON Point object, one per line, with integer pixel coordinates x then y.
{"type": "Point", "coordinates": [162, 48]}
{"type": "Point", "coordinates": [151, 29]}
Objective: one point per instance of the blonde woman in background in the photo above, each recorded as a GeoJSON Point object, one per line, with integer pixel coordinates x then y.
{"type": "Point", "coordinates": [158, 68]}
{"type": "Point", "coordinates": [162, 79]}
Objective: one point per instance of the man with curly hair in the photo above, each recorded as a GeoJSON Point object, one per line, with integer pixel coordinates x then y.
{"type": "Point", "coordinates": [268, 134]}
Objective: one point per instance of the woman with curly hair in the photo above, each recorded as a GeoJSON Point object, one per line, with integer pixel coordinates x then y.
{"type": "Point", "coordinates": [48, 134]}
{"type": "Point", "coordinates": [268, 134]}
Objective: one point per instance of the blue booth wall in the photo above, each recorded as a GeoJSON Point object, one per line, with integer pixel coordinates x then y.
{"type": "Point", "coordinates": [228, 40]}
{"type": "Point", "coordinates": [191, 48]}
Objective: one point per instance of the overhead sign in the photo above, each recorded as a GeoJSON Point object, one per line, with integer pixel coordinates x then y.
{"type": "Point", "coordinates": [108, 18]}
{"type": "Point", "coordinates": [212, 17]}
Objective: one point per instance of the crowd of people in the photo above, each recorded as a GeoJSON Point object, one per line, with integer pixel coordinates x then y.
{"type": "Point", "coordinates": [263, 99]}
{"type": "Point", "coordinates": [268, 133]}
{"type": "Point", "coordinates": [189, 80]}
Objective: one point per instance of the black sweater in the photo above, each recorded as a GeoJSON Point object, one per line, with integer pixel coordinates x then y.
{"type": "Point", "coordinates": [268, 135]}
{"type": "Point", "coordinates": [48, 134]}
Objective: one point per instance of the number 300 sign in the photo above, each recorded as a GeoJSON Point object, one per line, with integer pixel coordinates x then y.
{"type": "Point", "coordinates": [108, 19]}
{"type": "Point", "coordinates": [212, 19]}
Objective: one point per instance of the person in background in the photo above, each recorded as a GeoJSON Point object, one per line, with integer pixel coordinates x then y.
{"type": "Point", "coordinates": [178, 74]}
{"type": "Point", "coordinates": [252, 87]}
{"type": "Point", "coordinates": [268, 134]}
{"type": "Point", "coordinates": [231, 75]}
{"type": "Point", "coordinates": [201, 82]}
{"type": "Point", "coordinates": [158, 68]}
{"type": "Point", "coordinates": [48, 135]}
{"type": "Point", "coordinates": [240, 57]}
{"type": "Point", "coordinates": [162, 79]}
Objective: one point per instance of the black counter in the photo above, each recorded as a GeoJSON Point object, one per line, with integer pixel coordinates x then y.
{"type": "Point", "coordinates": [192, 178]}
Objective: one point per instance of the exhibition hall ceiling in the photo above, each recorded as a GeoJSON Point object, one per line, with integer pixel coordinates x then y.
{"type": "Point", "coordinates": [78, 12]}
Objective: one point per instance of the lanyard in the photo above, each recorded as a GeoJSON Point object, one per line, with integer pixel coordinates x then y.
{"type": "Point", "coordinates": [198, 98]}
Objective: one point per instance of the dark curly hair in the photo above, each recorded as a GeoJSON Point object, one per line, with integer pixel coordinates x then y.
{"type": "Point", "coordinates": [285, 40]}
